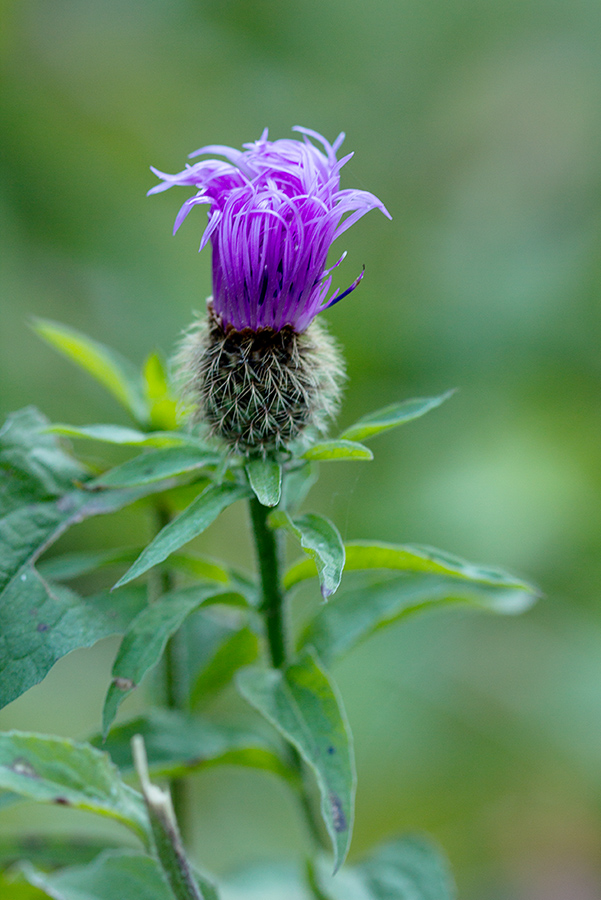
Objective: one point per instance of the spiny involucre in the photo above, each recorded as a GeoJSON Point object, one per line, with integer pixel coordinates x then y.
{"type": "Point", "coordinates": [260, 370]}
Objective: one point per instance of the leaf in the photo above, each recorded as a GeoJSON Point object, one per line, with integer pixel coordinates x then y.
{"type": "Point", "coordinates": [188, 525]}
{"type": "Point", "coordinates": [240, 649]}
{"type": "Point", "coordinates": [265, 476]}
{"type": "Point", "coordinates": [33, 465]}
{"type": "Point", "coordinates": [49, 850]}
{"type": "Point", "coordinates": [112, 370]}
{"type": "Point", "coordinates": [161, 401]}
{"type": "Point", "coordinates": [409, 868]}
{"type": "Point", "coordinates": [115, 875]}
{"type": "Point", "coordinates": [40, 622]}
{"type": "Point", "coordinates": [12, 889]}
{"type": "Point", "coordinates": [296, 484]}
{"type": "Point", "coordinates": [118, 434]}
{"type": "Point", "coordinates": [200, 567]}
{"type": "Point", "coordinates": [321, 540]}
{"type": "Point", "coordinates": [67, 773]}
{"type": "Point", "coordinates": [338, 450]}
{"type": "Point", "coordinates": [66, 566]}
{"type": "Point", "coordinates": [157, 465]}
{"type": "Point", "coordinates": [410, 558]}
{"type": "Point", "coordinates": [357, 613]}
{"type": "Point", "coordinates": [302, 703]}
{"type": "Point", "coordinates": [391, 416]}
{"type": "Point", "coordinates": [178, 744]}
{"type": "Point", "coordinates": [73, 565]}
{"type": "Point", "coordinates": [145, 640]}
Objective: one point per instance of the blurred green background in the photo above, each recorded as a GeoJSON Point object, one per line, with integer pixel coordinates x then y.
{"type": "Point", "coordinates": [478, 123]}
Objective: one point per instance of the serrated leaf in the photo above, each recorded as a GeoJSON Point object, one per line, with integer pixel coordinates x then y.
{"type": "Point", "coordinates": [33, 465]}
{"type": "Point", "coordinates": [113, 371]}
{"type": "Point", "coordinates": [411, 558]}
{"type": "Point", "coordinates": [265, 477]}
{"type": "Point", "coordinates": [161, 401]}
{"type": "Point", "coordinates": [409, 868]}
{"type": "Point", "coordinates": [157, 465]}
{"type": "Point", "coordinates": [145, 640]}
{"type": "Point", "coordinates": [321, 540]}
{"type": "Point", "coordinates": [41, 622]}
{"type": "Point", "coordinates": [178, 744]}
{"type": "Point", "coordinates": [188, 525]}
{"type": "Point", "coordinates": [338, 450]}
{"type": "Point", "coordinates": [358, 612]}
{"type": "Point", "coordinates": [115, 875]}
{"type": "Point", "coordinates": [240, 649]}
{"type": "Point", "coordinates": [392, 416]}
{"type": "Point", "coordinates": [118, 434]}
{"type": "Point", "coordinates": [66, 773]}
{"type": "Point", "coordinates": [302, 703]}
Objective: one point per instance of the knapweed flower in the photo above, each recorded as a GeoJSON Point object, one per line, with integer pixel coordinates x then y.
{"type": "Point", "coordinates": [263, 371]}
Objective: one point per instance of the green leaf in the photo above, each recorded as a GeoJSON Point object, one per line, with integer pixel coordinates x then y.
{"type": "Point", "coordinates": [188, 525]}
{"type": "Point", "coordinates": [13, 889]}
{"type": "Point", "coordinates": [302, 703]}
{"type": "Point", "coordinates": [112, 370]}
{"type": "Point", "coordinates": [296, 484]}
{"type": "Point", "coordinates": [321, 540]}
{"type": "Point", "coordinates": [73, 565]}
{"type": "Point", "coordinates": [265, 476]}
{"type": "Point", "coordinates": [40, 622]}
{"type": "Point", "coordinates": [357, 613]}
{"type": "Point", "coordinates": [411, 558]}
{"type": "Point", "coordinates": [157, 465]}
{"type": "Point", "coordinates": [161, 400]}
{"type": "Point", "coordinates": [200, 567]}
{"type": "Point", "coordinates": [118, 434]}
{"type": "Point", "coordinates": [409, 868]}
{"type": "Point", "coordinates": [67, 773]}
{"type": "Point", "coordinates": [338, 450]}
{"type": "Point", "coordinates": [115, 875]}
{"type": "Point", "coordinates": [240, 649]}
{"type": "Point", "coordinates": [391, 416]}
{"type": "Point", "coordinates": [178, 744]}
{"type": "Point", "coordinates": [49, 850]}
{"type": "Point", "coordinates": [33, 465]}
{"type": "Point", "coordinates": [145, 640]}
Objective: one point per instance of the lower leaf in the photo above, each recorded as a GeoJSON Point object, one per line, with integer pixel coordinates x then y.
{"type": "Point", "coordinates": [302, 703]}
{"type": "Point", "coordinates": [67, 773]}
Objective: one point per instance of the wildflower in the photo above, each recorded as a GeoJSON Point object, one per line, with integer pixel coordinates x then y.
{"type": "Point", "coordinates": [262, 370]}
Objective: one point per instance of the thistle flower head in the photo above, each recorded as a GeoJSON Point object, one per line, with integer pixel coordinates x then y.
{"type": "Point", "coordinates": [274, 210]}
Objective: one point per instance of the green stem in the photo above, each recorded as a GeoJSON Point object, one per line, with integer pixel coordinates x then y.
{"type": "Point", "coordinates": [173, 688]}
{"type": "Point", "coordinates": [272, 605]}
{"type": "Point", "coordinates": [274, 612]}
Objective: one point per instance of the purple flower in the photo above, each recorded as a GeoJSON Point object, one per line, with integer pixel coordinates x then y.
{"type": "Point", "coordinates": [274, 210]}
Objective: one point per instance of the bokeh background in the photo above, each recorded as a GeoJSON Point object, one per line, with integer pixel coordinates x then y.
{"type": "Point", "coordinates": [478, 122]}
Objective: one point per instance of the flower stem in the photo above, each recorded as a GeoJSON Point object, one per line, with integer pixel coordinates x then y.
{"type": "Point", "coordinates": [273, 609]}
{"type": "Point", "coordinates": [272, 605]}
